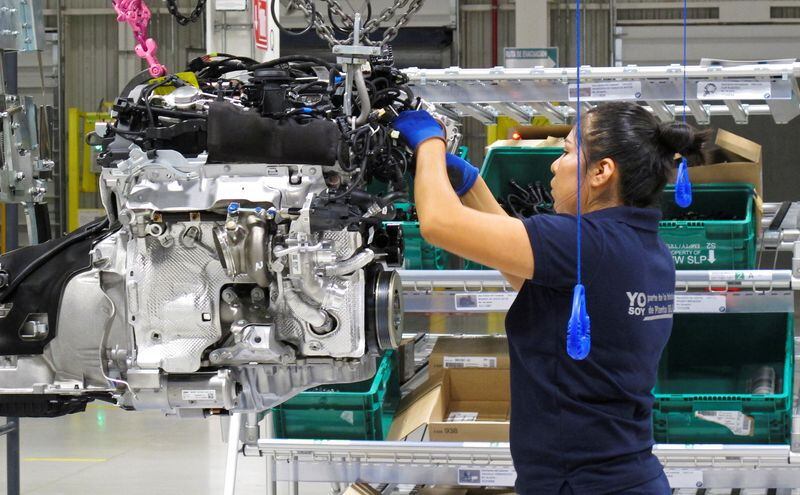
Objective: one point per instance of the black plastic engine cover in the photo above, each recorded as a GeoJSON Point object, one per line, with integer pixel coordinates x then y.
{"type": "Point", "coordinates": [41, 406]}
{"type": "Point", "coordinates": [40, 290]}
{"type": "Point", "coordinates": [236, 135]}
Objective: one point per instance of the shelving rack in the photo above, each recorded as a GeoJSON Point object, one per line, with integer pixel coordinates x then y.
{"type": "Point", "coordinates": [485, 94]}
{"type": "Point", "coordinates": [711, 90]}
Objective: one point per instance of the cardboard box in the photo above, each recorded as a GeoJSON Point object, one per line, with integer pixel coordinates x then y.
{"type": "Point", "coordinates": [443, 490]}
{"type": "Point", "coordinates": [736, 159]}
{"type": "Point", "coordinates": [457, 406]}
{"type": "Point", "coordinates": [469, 352]}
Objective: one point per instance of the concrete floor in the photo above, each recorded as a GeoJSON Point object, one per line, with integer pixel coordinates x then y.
{"type": "Point", "coordinates": [109, 451]}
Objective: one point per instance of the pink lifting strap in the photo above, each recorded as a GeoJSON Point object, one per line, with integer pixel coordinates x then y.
{"type": "Point", "coordinates": [137, 15]}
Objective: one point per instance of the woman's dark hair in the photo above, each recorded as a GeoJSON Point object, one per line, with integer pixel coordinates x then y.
{"type": "Point", "coordinates": [643, 148]}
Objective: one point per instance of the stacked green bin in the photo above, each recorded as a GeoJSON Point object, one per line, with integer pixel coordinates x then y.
{"type": "Point", "coordinates": [712, 244]}
{"type": "Point", "coordinates": [419, 254]}
{"type": "Point", "coordinates": [348, 411]}
{"type": "Point", "coordinates": [710, 369]}
{"type": "Point", "coordinates": [521, 164]}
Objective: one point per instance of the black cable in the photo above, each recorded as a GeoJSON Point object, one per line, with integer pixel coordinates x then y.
{"type": "Point", "coordinates": [293, 58]}
{"type": "Point", "coordinates": [287, 31]}
{"type": "Point", "coordinates": [392, 197]}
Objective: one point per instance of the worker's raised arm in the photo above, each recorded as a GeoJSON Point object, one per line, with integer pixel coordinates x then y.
{"type": "Point", "coordinates": [480, 198]}
{"type": "Point", "coordinates": [497, 241]}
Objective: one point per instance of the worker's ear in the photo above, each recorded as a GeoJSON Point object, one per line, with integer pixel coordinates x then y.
{"type": "Point", "coordinates": [602, 173]}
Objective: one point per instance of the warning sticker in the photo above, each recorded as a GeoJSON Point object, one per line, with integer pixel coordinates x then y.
{"type": "Point", "coordinates": [469, 362]}
{"type": "Point", "coordinates": [461, 417]}
{"type": "Point", "coordinates": [198, 395]}
{"type": "Point", "coordinates": [607, 91]}
{"type": "Point", "coordinates": [700, 303]}
{"type": "Point", "coordinates": [737, 422]}
{"type": "Point", "coordinates": [491, 301]}
{"type": "Point", "coordinates": [487, 476]}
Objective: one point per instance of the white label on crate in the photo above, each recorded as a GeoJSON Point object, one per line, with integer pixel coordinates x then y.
{"type": "Point", "coordinates": [469, 362]}
{"type": "Point", "coordinates": [700, 303]}
{"type": "Point", "coordinates": [490, 301]}
{"type": "Point", "coordinates": [734, 90]}
{"type": "Point", "coordinates": [198, 394]}
{"type": "Point", "coordinates": [487, 476]}
{"type": "Point", "coordinates": [684, 477]}
{"type": "Point", "coordinates": [737, 422]}
{"type": "Point", "coordinates": [347, 417]}
{"type": "Point", "coordinates": [462, 417]}
{"type": "Point", "coordinates": [607, 91]}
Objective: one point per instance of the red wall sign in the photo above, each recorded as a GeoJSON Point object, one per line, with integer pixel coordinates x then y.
{"type": "Point", "coordinates": [261, 23]}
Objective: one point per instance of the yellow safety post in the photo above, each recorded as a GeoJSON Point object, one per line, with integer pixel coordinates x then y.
{"type": "Point", "coordinates": [73, 167]}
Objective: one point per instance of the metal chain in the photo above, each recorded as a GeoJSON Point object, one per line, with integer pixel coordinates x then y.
{"type": "Point", "coordinates": [327, 33]}
{"type": "Point", "coordinates": [391, 32]}
{"type": "Point", "coordinates": [172, 7]}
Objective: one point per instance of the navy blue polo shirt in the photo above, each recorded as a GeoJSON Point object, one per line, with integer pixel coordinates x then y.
{"type": "Point", "coordinates": [588, 423]}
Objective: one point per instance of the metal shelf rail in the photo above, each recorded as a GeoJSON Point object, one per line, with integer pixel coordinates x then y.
{"type": "Point", "coordinates": [485, 464]}
{"type": "Point", "coordinates": [11, 431]}
{"type": "Point", "coordinates": [739, 91]}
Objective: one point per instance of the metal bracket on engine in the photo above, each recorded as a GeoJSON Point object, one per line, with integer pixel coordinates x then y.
{"type": "Point", "coordinates": [24, 168]}
{"type": "Point", "coordinates": [254, 343]}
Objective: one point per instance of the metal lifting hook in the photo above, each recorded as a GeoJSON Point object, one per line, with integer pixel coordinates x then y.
{"type": "Point", "coordinates": [136, 14]}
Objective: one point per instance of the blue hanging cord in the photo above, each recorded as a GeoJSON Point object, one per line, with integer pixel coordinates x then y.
{"type": "Point", "coordinates": [683, 186]}
{"type": "Point", "coordinates": [579, 337]}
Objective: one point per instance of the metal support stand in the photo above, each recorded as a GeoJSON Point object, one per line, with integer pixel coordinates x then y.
{"type": "Point", "coordinates": [269, 432]}
{"type": "Point", "coordinates": [11, 428]}
{"type": "Point", "coordinates": [11, 431]}
{"type": "Point", "coordinates": [234, 431]}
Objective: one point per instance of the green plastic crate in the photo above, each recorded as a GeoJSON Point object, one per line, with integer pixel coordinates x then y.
{"type": "Point", "coordinates": [348, 411]}
{"type": "Point", "coordinates": [709, 365]}
{"type": "Point", "coordinates": [712, 244]}
{"type": "Point", "coordinates": [523, 165]}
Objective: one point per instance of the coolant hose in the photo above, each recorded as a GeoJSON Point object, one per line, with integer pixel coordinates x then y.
{"type": "Point", "coordinates": [351, 264]}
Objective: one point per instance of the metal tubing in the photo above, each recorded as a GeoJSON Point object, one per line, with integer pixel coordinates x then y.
{"type": "Point", "coordinates": [234, 430]}
{"type": "Point", "coordinates": [12, 457]}
{"type": "Point", "coordinates": [11, 219]}
{"type": "Point", "coordinates": [269, 432]}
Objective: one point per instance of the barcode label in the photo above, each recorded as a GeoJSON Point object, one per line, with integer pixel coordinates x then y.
{"type": "Point", "coordinates": [198, 394]}
{"type": "Point", "coordinates": [469, 362]}
{"type": "Point", "coordinates": [486, 302]}
{"type": "Point", "coordinates": [461, 417]}
{"type": "Point", "coordinates": [684, 477]}
{"type": "Point", "coordinates": [488, 476]}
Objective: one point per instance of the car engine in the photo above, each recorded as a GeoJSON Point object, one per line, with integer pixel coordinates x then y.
{"type": "Point", "coordinates": [243, 256]}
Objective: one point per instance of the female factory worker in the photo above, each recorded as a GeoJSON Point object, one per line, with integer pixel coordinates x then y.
{"type": "Point", "coordinates": [577, 427]}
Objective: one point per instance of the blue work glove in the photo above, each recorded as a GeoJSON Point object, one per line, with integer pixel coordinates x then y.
{"type": "Point", "coordinates": [416, 127]}
{"type": "Point", "coordinates": [462, 174]}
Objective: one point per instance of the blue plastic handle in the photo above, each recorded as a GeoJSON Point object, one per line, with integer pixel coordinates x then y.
{"type": "Point", "coordinates": [683, 186]}
{"type": "Point", "coordinates": [579, 334]}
